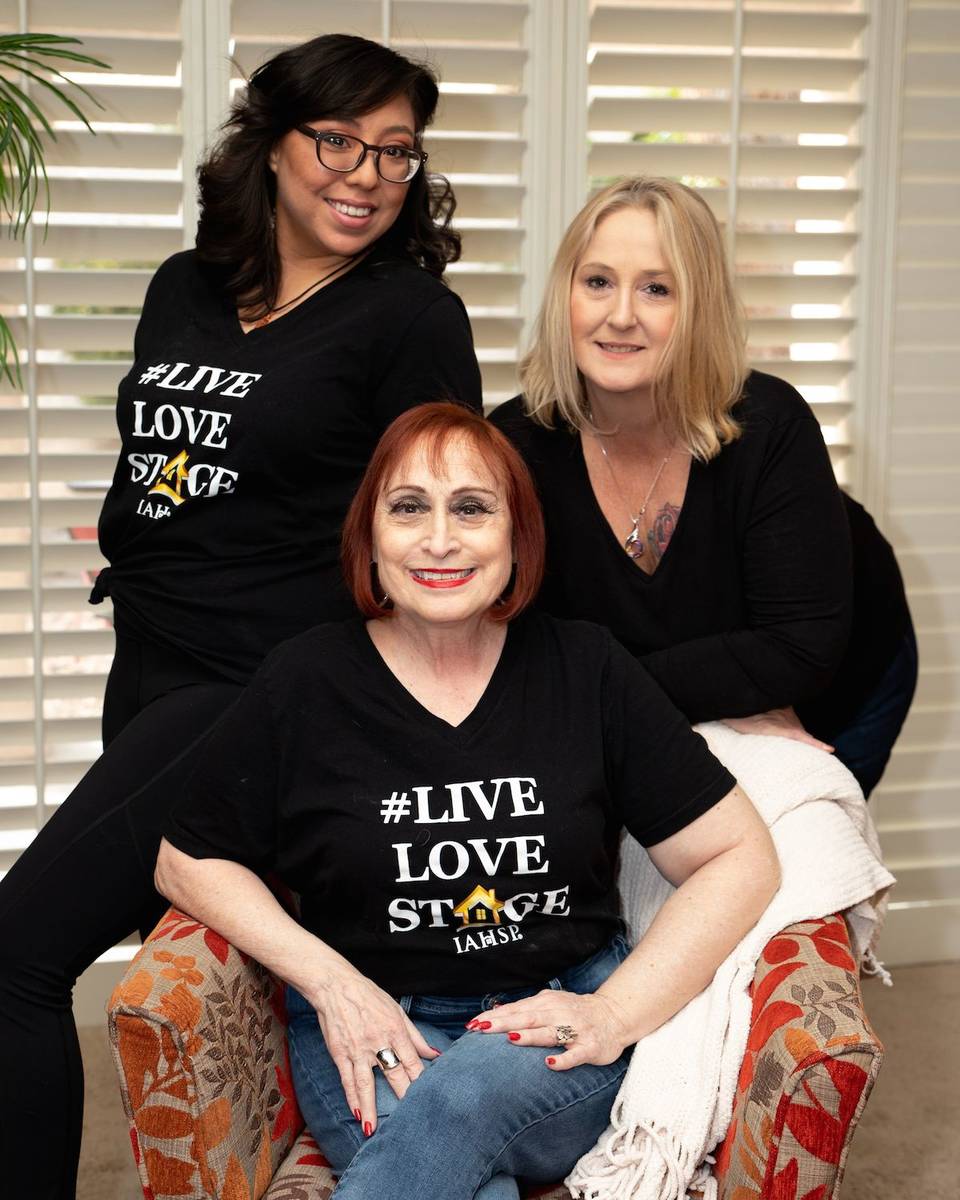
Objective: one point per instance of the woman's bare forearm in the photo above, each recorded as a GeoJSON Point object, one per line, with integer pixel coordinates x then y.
{"type": "Point", "coordinates": [235, 902]}
{"type": "Point", "coordinates": [726, 870]}
{"type": "Point", "coordinates": [691, 935]}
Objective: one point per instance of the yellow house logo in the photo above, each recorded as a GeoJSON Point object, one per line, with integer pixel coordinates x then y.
{"type": "Point", "coordinates": [480, 908]}
{"type": "Point", "coordinates": [172, 478]}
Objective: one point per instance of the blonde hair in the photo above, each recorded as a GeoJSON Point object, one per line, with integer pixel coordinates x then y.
{"type": "Point", "coordinates": [701, 372]}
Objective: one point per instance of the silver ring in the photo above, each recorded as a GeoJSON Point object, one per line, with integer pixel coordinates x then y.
{"type": "Point", "coordinates": [388, 1058]}
{"type": "Point", "coordinates": [565, 1035]}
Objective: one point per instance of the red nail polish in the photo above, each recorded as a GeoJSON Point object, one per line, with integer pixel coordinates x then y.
{"type": "Point", "coordinates": [514, 1037]}
{"type": "Point", "coordinates": [356, 1113]}
{"type": "Point", "coordinates": [435, 1050]}
{"type": "Point", "coordinates": [367, 1129]}
{"type": "Point", "coordinates": [486, 1024]}
{"type": "Point", "coordinates": [473, 1024]}
{"type": "Point", "coordinates": [551, 1062]}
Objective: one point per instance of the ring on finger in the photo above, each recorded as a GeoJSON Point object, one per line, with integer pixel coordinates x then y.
{"type": "Point", "coordinates": [565, 1035]}
{"type": "Point", "coordinates": [387, 1058]}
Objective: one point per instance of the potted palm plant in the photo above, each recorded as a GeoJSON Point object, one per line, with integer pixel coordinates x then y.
{"type": "Point", "coordinates": [31, 75]}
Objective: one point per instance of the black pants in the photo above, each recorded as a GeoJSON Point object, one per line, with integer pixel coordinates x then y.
{"type": "Point", "coordinates": [84, 883]}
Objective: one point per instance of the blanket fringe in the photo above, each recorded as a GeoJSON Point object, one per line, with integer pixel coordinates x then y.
{"type": "Point", "coordinates": [872, 966]}
{"type": "Point", "coordinates": [639, 1163]}
{"type": "Point", "coordinates": [703, 1185]}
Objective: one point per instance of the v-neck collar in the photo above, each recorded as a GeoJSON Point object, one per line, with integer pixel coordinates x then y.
{"type": "Point", "coordinates": [481, 711]}
{"type": "Point", "coordinates": [609, 538]}
{"type": "Point", "coordinates": [274, 329]}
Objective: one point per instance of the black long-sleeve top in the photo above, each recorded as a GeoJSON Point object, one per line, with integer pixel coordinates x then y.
{"type": "Point", "coordinates": [242, 451]}
{"type": "Point", "coordinates": [749, 608]}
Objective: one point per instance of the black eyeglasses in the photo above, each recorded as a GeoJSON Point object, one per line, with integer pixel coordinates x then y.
{"type": "Point", "coordinates": [342, 152]}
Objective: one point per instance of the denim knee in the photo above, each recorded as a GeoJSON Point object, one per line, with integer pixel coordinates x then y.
{"type": "Point", "coordinates": [486, 1110]}
{"type": "Point", "coordinates": [319, 1090]}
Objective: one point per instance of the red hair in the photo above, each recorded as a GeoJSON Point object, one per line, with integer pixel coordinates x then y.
{"type": "Point", "coordinates": [435, 426]}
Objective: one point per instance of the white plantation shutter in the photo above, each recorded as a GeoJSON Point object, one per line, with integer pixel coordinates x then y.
{"type": "Point", "coordinates": [759, 105]}
{"type": "Point", "coordinates": [72, 295]}
{"type": "Point", "coordinates": [477, 142]}
{"type": "Point", "coordinates": [480, 52]}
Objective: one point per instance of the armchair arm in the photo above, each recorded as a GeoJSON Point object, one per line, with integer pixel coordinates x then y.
{"type": "Point", "coordinates": [811, 1062]}
{"type": "Point", "coordinates": [198, 1032]}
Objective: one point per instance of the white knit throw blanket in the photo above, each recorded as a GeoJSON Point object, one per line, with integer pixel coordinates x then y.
{"type": "Point", "coordinates": [676, 1100]}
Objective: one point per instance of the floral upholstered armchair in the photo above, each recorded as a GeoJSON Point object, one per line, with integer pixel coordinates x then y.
{"type": "Point", "coordinates": [198, 1031]}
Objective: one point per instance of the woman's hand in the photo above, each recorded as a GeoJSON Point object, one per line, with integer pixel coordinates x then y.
{"type": "Point", "coordinates": [357, 1019]}
{"type": "Point", "coordinates": [778, 722]}
{"type": "Point", "coordinates": [596, 1021]}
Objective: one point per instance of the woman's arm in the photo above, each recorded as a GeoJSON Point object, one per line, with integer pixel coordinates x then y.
{"type": "Point", "coordinates": [774, 500]}
{"type": "Point", "coordinates": [778, 722]}
{"type": "Point", "coordinates": [726, 871]}
{"type": "Point", "coordinates": [357, 1018]}
{"type": "Point", "coordinates": [223, 835]}
{"type": "Point", "coordinates": [434, 360]}
{"type": "Point", "coordinates": [795, 581]}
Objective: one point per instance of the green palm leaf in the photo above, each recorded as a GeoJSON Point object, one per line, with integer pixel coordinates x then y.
{"type": "Point", "coordinates": [39, 59]}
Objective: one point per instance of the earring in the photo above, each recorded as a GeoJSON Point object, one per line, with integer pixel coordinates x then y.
{"type": "Point", "coordinates": [375, 581]}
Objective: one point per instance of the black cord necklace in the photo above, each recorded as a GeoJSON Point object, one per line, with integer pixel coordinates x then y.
{"type": "Point", "coordinates": [268, 316]}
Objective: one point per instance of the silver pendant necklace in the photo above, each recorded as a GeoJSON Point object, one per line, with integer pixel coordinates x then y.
{"type": "Point", "coordinates": [633, 543]}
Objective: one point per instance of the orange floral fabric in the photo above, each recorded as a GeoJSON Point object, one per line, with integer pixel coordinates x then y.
{"type": "Point", "coordinates": [811, 1061]}
{"type": "Point", "coordinates": [199, 1039]}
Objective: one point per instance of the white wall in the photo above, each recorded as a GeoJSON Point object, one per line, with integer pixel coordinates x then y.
{"type": "Point", "coordinates": [916, 474]}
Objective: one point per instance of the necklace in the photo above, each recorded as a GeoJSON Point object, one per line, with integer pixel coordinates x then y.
{"type": "Point", "coordinates": [268, 316]}
{"type": "Point", "coordinates": [634, 539]}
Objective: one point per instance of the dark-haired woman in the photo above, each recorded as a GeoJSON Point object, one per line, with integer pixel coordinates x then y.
{"type": "Point", "coordinates": [267, 363]}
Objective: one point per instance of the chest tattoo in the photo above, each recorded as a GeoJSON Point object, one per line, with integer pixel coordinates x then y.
{"type": "Point", "coordinates": [661, 530]}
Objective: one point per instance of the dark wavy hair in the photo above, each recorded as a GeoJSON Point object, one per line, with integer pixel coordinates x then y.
{"type": "Point", "coordinates": [336, 75]}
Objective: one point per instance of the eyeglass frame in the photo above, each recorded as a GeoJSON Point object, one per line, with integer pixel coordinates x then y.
{"type": "Point", "coordinates": [319, 134]}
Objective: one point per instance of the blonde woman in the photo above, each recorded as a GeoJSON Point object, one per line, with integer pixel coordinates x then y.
{"type": "Point", "coordinates": [690, 503]}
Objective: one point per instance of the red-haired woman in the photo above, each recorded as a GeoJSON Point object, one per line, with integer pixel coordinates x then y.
{"type": "Point", "coordinates": [444, 784]}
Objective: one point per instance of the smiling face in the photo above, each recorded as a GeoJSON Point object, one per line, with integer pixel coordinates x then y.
{"type": "Point", "coordinates": [442, 539]}
{"type": "Point", "coordinates": [322, 213]}
{"type": "Point", "coordinates": [622, 307]}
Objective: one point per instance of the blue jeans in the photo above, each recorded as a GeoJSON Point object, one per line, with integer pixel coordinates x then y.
{"type": "Point", "coordinates": [864, 746]}
{"type": "Point", "coordinates": [483, 1114]}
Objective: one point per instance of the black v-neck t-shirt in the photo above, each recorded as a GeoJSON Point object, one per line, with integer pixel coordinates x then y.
{"type": "Point", "coordinates": [439, 859]}
{"type": "Point", "coordinates": [749, 608]}
{"type": "Point", "coordinates": [241, 452]}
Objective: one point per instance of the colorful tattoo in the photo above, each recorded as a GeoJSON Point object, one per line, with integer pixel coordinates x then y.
{"type": "Point", "coordinates": [661, 530]}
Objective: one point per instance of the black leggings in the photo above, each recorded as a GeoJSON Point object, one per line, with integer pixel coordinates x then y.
{"type": "Point", "coordinates": [83, 884]}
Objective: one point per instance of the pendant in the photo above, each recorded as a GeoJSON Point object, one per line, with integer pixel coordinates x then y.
{"type": "Point", "coordinates": [634, 543]}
